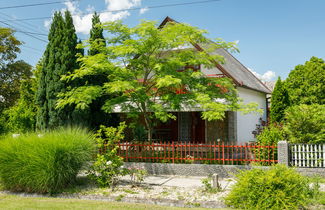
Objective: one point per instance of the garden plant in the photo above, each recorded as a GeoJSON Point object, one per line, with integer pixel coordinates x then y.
{"type": "Point", "coordinates": [279, 187]}
{"type": "Point", "coordinates": [45, 163]}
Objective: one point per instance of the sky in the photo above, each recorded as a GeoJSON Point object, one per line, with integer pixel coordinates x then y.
{"type": "Point", "coordinates": [273, 36]}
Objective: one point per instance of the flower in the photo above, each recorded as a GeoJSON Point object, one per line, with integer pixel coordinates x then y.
{"type": "Point", "coordinates": [108, 162]}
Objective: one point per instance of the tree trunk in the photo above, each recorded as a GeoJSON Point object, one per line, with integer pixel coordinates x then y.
{"type": "Point", "coordinates": [150, 133]}
{"type": "Point", "coordinates": [148, 127]}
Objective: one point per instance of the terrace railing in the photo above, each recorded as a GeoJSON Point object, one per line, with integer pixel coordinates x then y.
{"type": "Point", "coordinates": [307, 155]}
{"type": "Point", "coordinates": [189, 152]}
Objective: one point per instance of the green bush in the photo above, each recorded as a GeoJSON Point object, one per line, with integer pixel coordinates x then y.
{"type": "Point", "coordinates": [277, 188]}
{"type": "Point", "coordinates": [46, 163]}
{"type": "Point", "coordinates": [305, 124]}
{"type": "Point", "coordinates": [108, 167]}
{"type": "Point", "coordinates": [270, 136]}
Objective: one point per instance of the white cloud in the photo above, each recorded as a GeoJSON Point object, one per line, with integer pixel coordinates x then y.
{"type": "Point", "coordinates": [143, 10]}
{"type": "Point", "coordinates": [83, 23]}
{"type": "Point", "coordinates": [122, 4]}
{"type": "Point", "coordinates": [267, 76]}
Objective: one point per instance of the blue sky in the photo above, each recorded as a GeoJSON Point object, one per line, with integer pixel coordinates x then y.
{"type": "Point", "coordinates": [274, 35]}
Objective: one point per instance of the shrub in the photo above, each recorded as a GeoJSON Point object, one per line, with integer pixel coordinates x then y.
{"type": "Point", "coordinates": [270, 136]}
{"type": "Point", "coordinates": [108, 166]}
{"type": "Point", "coordinates": [277, 188]}
{"type": "Point", "coordinates": [46, 163]}
{"type": "Point", "coordinates": [305, 123]}
{"type": "Point", "coordinates": [137, 175]}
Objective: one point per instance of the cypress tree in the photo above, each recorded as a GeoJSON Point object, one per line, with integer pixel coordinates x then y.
{"type": "Point", "coordinates": [97, 41]}
{"type": "Point", "coordinates": [96, 36]}
{"type": "Point", "coordinates": [279, 101]}
{"type": "Point", "coordinates": [59, 59]}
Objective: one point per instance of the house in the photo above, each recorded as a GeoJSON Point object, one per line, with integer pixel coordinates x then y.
{"type": "Point", "coordinates": [236, 127]}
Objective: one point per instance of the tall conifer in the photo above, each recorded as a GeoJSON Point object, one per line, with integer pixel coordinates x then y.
{"type": "Point", "coordinates": [97, 41]}
{"type": "Point", "coordinates": [59, 59]}
{"type": "Point", "coordinates": [279, 101]}
{"type": "Point", "coordinates": [96, 35]}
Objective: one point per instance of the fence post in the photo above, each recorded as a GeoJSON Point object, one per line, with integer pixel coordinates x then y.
{"type": "Point", "coordinates": [283, 153]}
{"type": "Point", "coordinates": [173, 153]}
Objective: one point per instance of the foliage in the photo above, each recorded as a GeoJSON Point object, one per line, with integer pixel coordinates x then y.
{"type": "Point", "coordinates": [208, 186]}
{"type": "Point", "coordinates": [144, 65]}
{"type": "Point", "coordinates": [306, 83]}
{"type": "Point", "coordinates": [270, 136]}
{"type": "Point", "coordinates": [277, 188]}
{"type": "Point", "coordinates": [22, 116]}
{"type": "Point", "coordinates": [305, 123]}
{"type": "Point", "coordinates": [44, 163]}
{"type": "Point", "coordinates": [137, 175]}
{"type": "Point", "coordinates": [9, 46]}
{"type": "Point", "coordinates": [108, 166]}
{"type": "Point", "coordinates": [11, 76]}
{"type": "Point", "coordinates": [279, 101]}
{"type": "Point", "coordinates": [59, 59]}
{"type": "Point", "coordinates": [97, 116]}
{"type": "Point", "coordinates": [96, 35]}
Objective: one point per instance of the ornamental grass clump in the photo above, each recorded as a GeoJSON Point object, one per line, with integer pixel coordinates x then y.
{"type": "Point", "coordinates": [44, 163]}
{"type": "Point", "coordinates": [279, 187]}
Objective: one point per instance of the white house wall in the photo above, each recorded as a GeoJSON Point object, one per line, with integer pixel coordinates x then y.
{"type": "Point", "coordinates": [247, 123]}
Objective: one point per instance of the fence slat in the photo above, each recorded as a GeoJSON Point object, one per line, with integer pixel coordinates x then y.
{"type": "Point", "coordinates": [307, 155]}
{"type": "Point", "coordinates": [180, 152]}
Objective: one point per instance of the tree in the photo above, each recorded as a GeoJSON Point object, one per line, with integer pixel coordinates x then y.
{"type": "Point", "coordinates": [11, 71]}
{"type": "Point", "coordinates": [97, 115]}
{"type": "Point", "coordinates": [96, 35]}
{"type": "Point", "coordinates": [22, 116]}
{"type": "Point", "coordinates": [144, 74]}
{"type": "Point", "coordinates": [279, 101]}
{"type": "Point", "coordinates": [59, 59]}
{"type": "Point", "coordinates": [9, 46]}
{"type": "Point", "coordinates": [306, 83]}
{"type": "Point", "coordinates": [305, 124]}
{"type": "Point", "coordinates": [11, 76]}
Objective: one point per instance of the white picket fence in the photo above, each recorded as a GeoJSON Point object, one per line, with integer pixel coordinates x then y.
{"type": "Point", "coordinates": [307, 155]}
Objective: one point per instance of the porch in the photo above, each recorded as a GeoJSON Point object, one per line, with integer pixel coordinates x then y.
{"type": "Point", "coordinates": [190, 127]}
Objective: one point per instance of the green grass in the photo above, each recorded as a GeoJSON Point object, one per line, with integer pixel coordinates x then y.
{"type": "Point", "coordinates": [44, 164]}
{"type": "Point", "coordinates": [15, 202]}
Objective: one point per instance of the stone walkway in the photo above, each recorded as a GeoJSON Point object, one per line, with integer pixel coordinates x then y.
{"type": "Point", "coordinates": [181, 181]}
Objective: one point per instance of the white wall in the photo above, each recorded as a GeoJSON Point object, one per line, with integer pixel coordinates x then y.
{"type": "Point", "coordinates": [247, 123]}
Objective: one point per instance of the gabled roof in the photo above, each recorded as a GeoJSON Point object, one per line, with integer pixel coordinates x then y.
{"type": "Point", "coordinates": [232, 68]}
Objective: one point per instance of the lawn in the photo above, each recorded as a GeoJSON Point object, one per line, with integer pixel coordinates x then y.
{"type": "Point", "coordinates": [17, 202]}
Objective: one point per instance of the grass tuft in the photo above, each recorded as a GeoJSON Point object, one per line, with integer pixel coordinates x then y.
{"type": "Point", "coordinates": [45, 164]}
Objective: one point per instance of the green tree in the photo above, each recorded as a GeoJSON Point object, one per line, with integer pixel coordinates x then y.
{"type": "Point", "coordinates": [279, 101]}
{"type": "Point", "coordinates": [305, 123]}
{"type": "Point", "coordinates": [11, 76]}
{"type": "Point", "coordinates": [97, 115]}
{"type": "Point", "coordinates": [59, 59]}
{"type": "Point", "coordinates": [96, 35]}
{"type": "Point", "coordinates": [22, 116]}
{"type": "Point", "coordinates": [306, 83]}
{"type": "Point", "coordinates": [144, 77]}
{"type": "Point", "coordinates": [9, 46]}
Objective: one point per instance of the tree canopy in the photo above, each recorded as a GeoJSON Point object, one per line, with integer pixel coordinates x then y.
{"type": "Point", "coordinates": [151, 72]}
{"type": "Point", "coordinates": [59, 59]}
{"type": "Point", "coordinates": [306, 83]}
{"type": "Point", "coordinates": [11, 71]}
{"type": "Point", "coordinates": [9, 46]}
